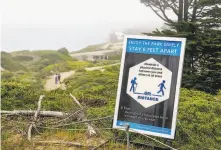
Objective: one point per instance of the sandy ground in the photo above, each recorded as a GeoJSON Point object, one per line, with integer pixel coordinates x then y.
{"type": "Point", "coordinates": [50, 83]}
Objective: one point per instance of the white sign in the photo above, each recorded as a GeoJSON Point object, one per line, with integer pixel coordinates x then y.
{"type": "Point", "coordinates": [149, 85]}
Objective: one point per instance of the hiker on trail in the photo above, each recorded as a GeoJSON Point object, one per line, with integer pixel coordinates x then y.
{"type": "Point", "coordinates": [59, 77]}
{"type": "Point", "coordinates": [133, 83]}
{"type": "Point", "coordinates": [162, 86]}
{"type": "Point", "coordinates": [56, 78]}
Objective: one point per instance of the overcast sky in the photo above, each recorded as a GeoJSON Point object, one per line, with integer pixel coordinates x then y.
{"type": "Point", "coordinates": [74, 24]}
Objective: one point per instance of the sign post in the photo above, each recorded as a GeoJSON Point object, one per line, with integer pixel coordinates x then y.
{"type": "Point", "coordinates": [149, 85]}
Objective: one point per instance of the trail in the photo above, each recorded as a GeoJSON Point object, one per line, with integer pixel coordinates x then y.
{"type": "Point", "coordinates": [50, 82]}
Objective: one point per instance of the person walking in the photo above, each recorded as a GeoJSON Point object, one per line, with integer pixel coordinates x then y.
{"type": "Point", "coordinates": [59, 77]}
{"type": "Point", "coordinates": [133, 83]}
{"type": "Point", "coordinates": [162, 87]}
{"type": "Point", "coordinates": [56, 78]}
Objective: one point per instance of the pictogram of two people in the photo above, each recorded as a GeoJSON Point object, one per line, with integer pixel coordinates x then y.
{"type": "Point", "coordinates": [134, 86]}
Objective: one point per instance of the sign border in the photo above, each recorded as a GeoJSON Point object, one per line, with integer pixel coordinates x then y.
{"type": "Point", "coordinates": [178, 85]}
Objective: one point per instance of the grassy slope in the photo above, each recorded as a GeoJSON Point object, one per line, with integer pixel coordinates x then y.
{"type": "Point", "coordinates": [9, 63]}
{"type": "Point", "coordinates": [37, 60]}
{"type": "Point", "coordinates": [90, 48]}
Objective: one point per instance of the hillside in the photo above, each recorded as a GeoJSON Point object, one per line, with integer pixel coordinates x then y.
{"type": "Point", "coordinates": [112, 50]}
{"type": "Point", "coordinates": [39, 59]}
{"type": "Point", "coordinates": [9, 63]}
{"type": "Point", "coordinates": [101, 47]}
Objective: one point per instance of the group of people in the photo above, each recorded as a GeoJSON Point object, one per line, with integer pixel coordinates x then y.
{"type": "Point", "coordinates": [57, 78]}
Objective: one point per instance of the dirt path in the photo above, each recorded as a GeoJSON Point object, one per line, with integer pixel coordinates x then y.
{"type": "Point", "coordinates": [50, 83]}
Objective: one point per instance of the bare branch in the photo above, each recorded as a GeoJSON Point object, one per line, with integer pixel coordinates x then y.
{"type": "Point", "coordinates": [102, 144]}
{"type": "Point", "coordinates": [91, 130]}
{"type": "Point", "coordinates": [31, 112]}
{"type": "Point", "coordinates": [156, 12]}
{"type": "Point", "coordinates": [200, 11]}
{"type": "Point", "coordinates": [190, 2]}
{"type": "Point", "coordinates": [163, 11]}
{"type": "Point", "coordinates": [174, 7]}
{"type": "Point", "coordinates": [35, 117]}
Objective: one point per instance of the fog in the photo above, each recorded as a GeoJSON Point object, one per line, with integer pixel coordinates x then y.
{"type": "Point", "coordinates": [74, 24]}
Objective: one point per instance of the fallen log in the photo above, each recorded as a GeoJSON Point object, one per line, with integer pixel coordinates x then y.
{"type": "Point", "coordinates": [57, 114]}
{"type": "Point", "coordinates": [91, 130]}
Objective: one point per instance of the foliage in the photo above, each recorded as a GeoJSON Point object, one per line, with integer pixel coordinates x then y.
{"type": "Point", "coordinates": [17, 95]}
{"type": "Point", "coordinates": [31, 78]}
{"type": "Point", "coordinates": [199, 122]}
{"type": "Point", "coordinates": [198, 126]}
{"type": "Point", "coordinates": [6, 75]}
{"type": "Point", "coordinates": [58, 100]}
{"type": "Point", "coordinates": [8, 63]}
{"type": "Point", "coordinates": [37, 60]}
{"type": "Point", "coordinates": [48, 58]}
{"type": "Point", "coordinates": [198, 21]}
{"type": "Point", "coordinates": [103, 63]}
{"type": "Point", "coordinates": [22, 58]}
{"type": "Point", "coordinates": [64, 66]}
{"type": "Point", "coordinates": [63, 51]}
{"type": "Point", "coordinates": [95, 89]}
{"type": "Point", "coordinates": [90, 48]}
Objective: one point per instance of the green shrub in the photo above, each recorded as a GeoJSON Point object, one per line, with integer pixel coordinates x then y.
{"type": "Point", "coordinates": [17, 95]}
{"type": "Point", "coordinates": [199, 117]}
{"type": "Point", "coordinates": [23, 58]}
{"type": "Point", "coordinates": [8, 63]}
{"type": "Point", "coordinates": [6, 75]}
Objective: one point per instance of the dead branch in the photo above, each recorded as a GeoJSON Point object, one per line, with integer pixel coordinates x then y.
{"type": "Point", "coordinates": [69, 116]}
{"type": "Point", "coordinates": [76, 101]}
{"type": "Point", "coordinates": [102, 144]}
{"type": "Point", "coordinates": [156, 12]}
{"type": "Point", "coordinates": [35, 117]}
{"type": "Point", "coordinates": [32, 112]}
{"type": "Point", "coordinates": [98, 119]}
{"type": "Point", "coordinates": [91, 130]}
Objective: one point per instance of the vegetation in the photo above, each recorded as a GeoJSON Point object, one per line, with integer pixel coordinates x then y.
{"type": "Point", "coordinates": [32, 60]}
{"type": "Point", "coordinates": [101, 47]}
{"type": "Point", "coordinates": [199, 122]}
{"type": "Point", "coordinates": [199, 22]}
{"type": "Point", "coordinates": [96, 89]}
{"type": "Point", "coordinates": [90, 48]}
{"type": "Point", "coordinates": [63, 51]}
{"type": "Point", "coordinates": [17, 95]}
{"type": "Point", "coordinates": [8, 63]}
{"type": "Point", "coordinates": [64, 66]}
{"type": "Point", "coordinates": [23, 58]}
